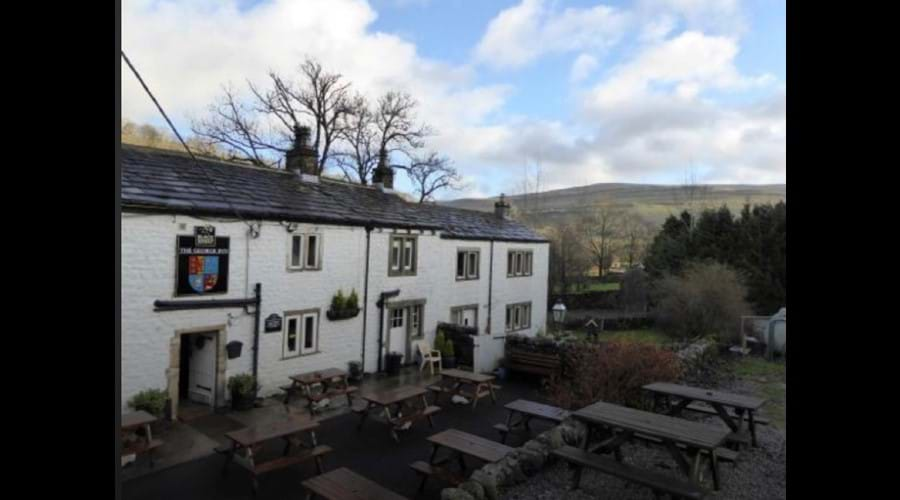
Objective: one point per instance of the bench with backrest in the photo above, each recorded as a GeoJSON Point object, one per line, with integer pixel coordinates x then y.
{"type": "Point", "coordinates": [533, 362]}
{"type": "Point", "coordinates": [659, 483]}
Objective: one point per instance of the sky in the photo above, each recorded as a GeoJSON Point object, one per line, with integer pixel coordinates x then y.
{"type": "Point", "coordinates": [573, 92]}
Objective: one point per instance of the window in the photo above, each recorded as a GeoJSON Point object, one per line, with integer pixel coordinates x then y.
{"type": "Point", "coordinates": [467, 264]}
{"type": "Point", "coordinates": [301, 333]}
{"type": "Point", "coordinates": [519, 263]}
{"type": "Point", "coordinates": [465, 315]}
{"type": "Point", "coordinates": [312, 251]}
{"type": "Point", "coordinates": [403, 256]}
{"type": "Point", "coordinates": [305, 257]}
{"type": "Point", "coordinates": [396, 318]}
{"type": "Point", "coordinates": [415, 321]}
{"type": "Point", "coordinates": [518, 316]}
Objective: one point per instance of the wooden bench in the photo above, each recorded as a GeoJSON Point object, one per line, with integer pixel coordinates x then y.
{"type": "Point", "coordinates": [659, 483]}
{"type": "Point", "coordinates": [344, 484]}
{"type": "Point", "coordinates": [282, 462]}
{"type": "Point", "coordinates": [723, 454]}
{"type": "Point", "coordinates": [702, 408]}
{"type": "Point", "coordinates": [426, 470]}
{"type": "Point", "coordinates": [533, 362]}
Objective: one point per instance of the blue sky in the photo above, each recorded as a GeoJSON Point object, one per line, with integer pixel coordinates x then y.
{"type": "Point", "coordinates": [581, 91]}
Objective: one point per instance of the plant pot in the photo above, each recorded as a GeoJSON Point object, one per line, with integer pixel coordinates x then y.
{"type": "Point", "coordinates": [394, 359]}
{"type": "Point", "coordinates": [448, 361]}
{"type": "Point", "coordinates": [356, 371]}
{"type": "Point", "coordinates": [334, 315]}
{"type": "Point", "coordinates": [242, 402]}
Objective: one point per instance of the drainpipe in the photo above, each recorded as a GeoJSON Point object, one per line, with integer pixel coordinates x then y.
{"type": "Point", "coordinates": [366, 298]}
{"type": "Point", "coordinates": [380, 304]}
{"type": "Point", "coordinates": [490, 288]}
{"type": "Point", "coordinates": [257, 290]}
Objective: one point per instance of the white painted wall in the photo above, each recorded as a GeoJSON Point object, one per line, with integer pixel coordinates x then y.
{"type": "Point", "coordinates": [148, 274]}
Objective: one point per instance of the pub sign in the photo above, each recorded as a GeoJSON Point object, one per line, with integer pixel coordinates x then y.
{"type": "Point", "coordinates": [202, 262]}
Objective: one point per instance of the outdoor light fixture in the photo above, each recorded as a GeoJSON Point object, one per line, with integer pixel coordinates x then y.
{"type": "Point", "coordinates": [559, 313]}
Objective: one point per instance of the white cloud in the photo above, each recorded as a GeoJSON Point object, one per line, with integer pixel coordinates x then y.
{"type": "Point", "coordinates": [582, 67]}
{"type": "Point", "coordinates": [187, 51]}
{"type": "Point", "coordinates": [522, 33]}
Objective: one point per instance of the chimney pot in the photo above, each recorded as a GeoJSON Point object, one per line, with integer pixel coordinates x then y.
{"type": "Point", "coordinates": [302, 158]}
{"type": "Point", "coordinates": [501, 207]}
{"type": "Point", "coordinates": [383, 173]}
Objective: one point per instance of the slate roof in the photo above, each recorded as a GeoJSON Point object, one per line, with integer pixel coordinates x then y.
{"type": "Point", "coordinates": [169, 181]}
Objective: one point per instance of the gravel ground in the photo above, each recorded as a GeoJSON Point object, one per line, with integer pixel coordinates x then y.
{"type": "Point", "coordinates": [758, 475]}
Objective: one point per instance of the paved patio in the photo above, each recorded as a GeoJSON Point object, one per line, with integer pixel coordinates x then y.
{"type": "Point", "coordinates": [195, 471]}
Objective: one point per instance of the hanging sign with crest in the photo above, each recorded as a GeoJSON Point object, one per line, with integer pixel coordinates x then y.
{"type": "Point", "coordinates": [202, 261]}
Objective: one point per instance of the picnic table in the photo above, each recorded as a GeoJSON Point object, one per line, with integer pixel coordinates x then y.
{"type": "Point", "coordinates": [344, 484]}
{"type": "Point", "coordinates": [130, 423]}
{"type": "Point", "coordinates": [250, 441]}
{"type": "Point", "coordinates": [687, 441]}
{"type": "Point", "coordinates": [454, 382]}
{"type": "Point", "coordinates": [405, 410]}
{"type": "Point", "coordinates": [718, 400]}
{"type": "Point", "coordinates": [461, 444]}
{"type": "Point", "coordinates": [528, 410]}
{"type": "Point", "coordinates": [334, 382]}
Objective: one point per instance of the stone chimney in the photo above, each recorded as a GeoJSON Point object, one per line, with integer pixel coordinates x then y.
{"type": "Point", "coordinates": [383, 174]}
{"type": "Point", "coordinates": [302, 158]}
{"type": "Point", "coordinates": [501, 207]}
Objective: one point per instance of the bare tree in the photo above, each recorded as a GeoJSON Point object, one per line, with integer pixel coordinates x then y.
{"type": "Point", "coordinates": [430, 174]}
{"type": "Point", "coordinates": [357, 156]}
{"type": "Point", "coordinates": [262, 130]}
{"type": "Point", "coordinates": [390, 127]}
{"type": "Point", "coordinates": [636, 234]}
{"type": "Point", "coordinates": [691, 195]}
{"type": "Point", "coordinates": [569, 262]}
{"type": "Point", "coordinates": [601, 228]}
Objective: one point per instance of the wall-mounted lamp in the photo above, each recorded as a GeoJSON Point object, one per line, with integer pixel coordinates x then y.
{"type": "Point", "coordinates": [253, 231]}
{"type": "Point", "coordinates": [290, 227]}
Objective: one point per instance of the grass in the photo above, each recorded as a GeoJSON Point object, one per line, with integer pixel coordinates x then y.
{"type": "Point", "coordinates": [769, 379]}
{"type": "Point", "coordinates": [643, 335]}
{"type": "Point", "coordinates": [596, 287]}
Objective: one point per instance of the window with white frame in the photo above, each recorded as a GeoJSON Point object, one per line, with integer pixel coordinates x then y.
{"type": "Point", "coordinates": [465, 315]}
{"type": "Point", "coordinates": [518, 316]}
{"type": "Point", "coordinates": [305, 252]}
{"type": "Point", "coordinates": [467, 264]}
{"type": "Point", "coordinates": [301, 333]}
{"type": "Point", "coordinates": [519, 263]}
{"type": "Point", "coordinates": [403, 256]}
{"type": "Point", "coordinates": [397, 317]}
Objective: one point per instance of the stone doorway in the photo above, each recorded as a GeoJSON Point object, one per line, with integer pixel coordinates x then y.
{"type": "Point", "coordinates": [174, 375]}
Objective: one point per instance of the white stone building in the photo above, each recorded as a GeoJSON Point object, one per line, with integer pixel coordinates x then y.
{"type": "Point", "coordinates": [300, 239]}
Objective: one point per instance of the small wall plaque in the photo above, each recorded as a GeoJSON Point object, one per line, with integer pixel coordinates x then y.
{"type": "Point", "coordinates": [273, 323]}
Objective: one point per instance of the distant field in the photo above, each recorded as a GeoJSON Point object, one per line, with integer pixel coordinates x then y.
{"type": "Point", "coordinates": [652, 202]}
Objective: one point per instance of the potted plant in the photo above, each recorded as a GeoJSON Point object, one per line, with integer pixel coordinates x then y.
{"type": "Point", "coordinates": [445, 345]}
{"type": "Point", "coordinates": [243, 388]}
{"type": "Point", "coordinates": [356, 371]}
{"type": "Point", "coordinates": [343, 307]}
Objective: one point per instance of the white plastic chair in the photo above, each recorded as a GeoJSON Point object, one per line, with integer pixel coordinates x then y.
{"type": "Point", "coordinates": [429, 356]}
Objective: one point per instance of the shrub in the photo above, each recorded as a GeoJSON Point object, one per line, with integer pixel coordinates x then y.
{"type": "Point", "coordinates": [152, 401]}
{"type": "Point", "coordinates": [338, 302]}
{"type": "Point", "coordinates": [613, 372]}
{"type": "Point", "coordinates": [706, 300]}
{"type": "Point", "coordinates": [352, 300]}
{"type": "Point", "coordinates": [439, 342]}
{"type": "Point", "coordinates": [635, 290]}
{"type": "Point", "coordinates": [243, 384]}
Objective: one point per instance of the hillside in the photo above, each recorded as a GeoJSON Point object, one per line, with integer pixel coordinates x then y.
{"type": "Point", "coordinates": [652, 202]}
